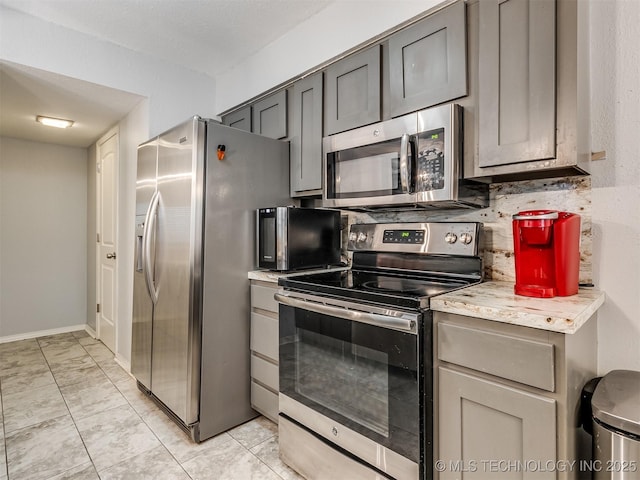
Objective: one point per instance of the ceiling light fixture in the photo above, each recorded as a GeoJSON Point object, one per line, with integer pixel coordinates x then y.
{"type": "Point", "coordinates": [54, 122]}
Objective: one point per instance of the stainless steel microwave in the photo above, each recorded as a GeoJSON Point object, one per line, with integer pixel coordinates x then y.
{"type": "Point", "coordinates": [292, 238]}
{"type": "Point", "coordinates": [403, 163]}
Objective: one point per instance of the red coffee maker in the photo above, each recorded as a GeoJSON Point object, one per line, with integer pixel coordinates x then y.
{"type": "Point", "coordinates": [547, 253]}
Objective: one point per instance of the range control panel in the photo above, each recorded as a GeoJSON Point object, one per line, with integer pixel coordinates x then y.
{"type": "Point", "coordinates": [435, 238]}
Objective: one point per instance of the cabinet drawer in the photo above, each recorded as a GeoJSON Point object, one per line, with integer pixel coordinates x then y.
{"type": "Point", "coordinates": [262, 297]}
{"type": "Point", "coordinates": [513, 358]}
{"type": "Point", "coordinates": [264, 335]}
{"type": "Point", "coordinates": [265, 372]}
{"type": "Point", "coordinates": [264, 401]}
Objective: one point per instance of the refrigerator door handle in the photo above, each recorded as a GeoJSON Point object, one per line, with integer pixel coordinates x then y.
{"type": "Point", "coordinates": [150, 226]}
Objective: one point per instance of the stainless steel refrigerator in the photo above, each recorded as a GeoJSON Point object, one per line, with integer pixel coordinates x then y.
{"type": "Point", "coordinates": [198, 188]}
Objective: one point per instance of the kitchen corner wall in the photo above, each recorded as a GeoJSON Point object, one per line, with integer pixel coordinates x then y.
{"type": "Point", "coordinates": [330, 32]}
{"type": "Point", "coordinates": [612, 204]}
{"type": "Point", "coordinates": [615, 128]}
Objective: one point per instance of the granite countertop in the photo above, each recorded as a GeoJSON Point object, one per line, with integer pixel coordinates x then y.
{"type": "Point", "coordinates": [271, 276]}
{"type": "Point", "coordinates": [496, 301]}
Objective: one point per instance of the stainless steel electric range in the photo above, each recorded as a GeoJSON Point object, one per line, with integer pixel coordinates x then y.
{"type": "Point", "coordinates": [356, 351]}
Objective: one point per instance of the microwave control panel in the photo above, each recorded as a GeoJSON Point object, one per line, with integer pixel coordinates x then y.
{"type": "Point", "coordinates": [430, 161]}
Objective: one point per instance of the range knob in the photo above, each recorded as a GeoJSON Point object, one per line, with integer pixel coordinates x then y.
{"type": "Point", "coordinates": [353, 236]}
{"type": "Point", "coordinates": [450, 237]}
{"type": "Point", "coordinates": [361, 237]}
{"type": "Point", "coordinates": [466, 238]}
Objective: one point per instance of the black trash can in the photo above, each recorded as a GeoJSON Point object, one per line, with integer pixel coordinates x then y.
{"type": "Point", "coordinates": [616, 426]}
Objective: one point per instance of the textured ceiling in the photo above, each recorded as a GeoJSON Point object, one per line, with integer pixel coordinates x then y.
{"type": "Point", "coordinates": [206, 36]}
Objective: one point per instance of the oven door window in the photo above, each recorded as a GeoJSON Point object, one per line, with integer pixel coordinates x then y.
{"type": "Point", "coordinates": [367, 171]}
{"type": "Point", "coordinates": [364, 377]}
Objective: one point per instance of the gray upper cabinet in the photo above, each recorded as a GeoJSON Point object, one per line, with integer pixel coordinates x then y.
{"type": "Point", "coordinates": [516, 81]}
{"type": "Point", "coordinates": [306, 136]}
{"type": "Point", "coordinates": [427, 61]}
{"type": "Point", "coordinates": [529, 93]}
{"type": "Point", "coordinates": [270, 116]}
{"type": "Point", "coordinates": [352, 92]}
{"type": "Point", "coordinates": [239, 119]}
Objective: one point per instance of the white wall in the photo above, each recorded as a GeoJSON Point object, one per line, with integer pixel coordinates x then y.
{"type": "Point", "coordinates": [133, 130]}
{"type": "Point", "coordinates": [91, 236]}
{"type": "Point", "coordinates": [174, 93]}
{"type": "Point", "coordinates": [615, 120]}
{"type": "Point", "coordinates": [332, 31]}
{"type": "Point", "coordinates": [43, 223]}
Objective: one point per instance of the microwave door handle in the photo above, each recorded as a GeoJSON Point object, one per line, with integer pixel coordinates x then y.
{"type": "Point", "coordinates": [405, 163]}
{"type": "Point", "coordinates": [375, 319]}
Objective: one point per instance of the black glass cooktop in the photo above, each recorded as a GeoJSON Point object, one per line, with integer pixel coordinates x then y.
{"type": "Point", "coordinates": [402, 290]}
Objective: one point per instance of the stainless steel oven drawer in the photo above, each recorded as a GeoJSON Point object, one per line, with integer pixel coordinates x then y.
{"type": "Point", "coordinates": [505, 356]}
{"type": "Point", "coordinates": [262, 297]}
{"type": "Point", "coordinates": [313, 458]}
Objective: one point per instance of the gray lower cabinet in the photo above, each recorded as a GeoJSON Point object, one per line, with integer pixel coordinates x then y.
{"type": "Point", "coordinates": [484, 421]}
{"type": "Point", "coordinates": [264, 349]}
{"type": "Point", "coordinates": [506, 399]}
{"type": "Point", "coordinates": [239, 119]}
{"type": "Point", "coordinates": [352, 92]}
{"type": "Point", "coordinates": [428, 61]}
{"type": "Point", "coordinates": [531, 93]}
{"type": "Point", "coordinates": [306, 136]}
{"type": "Point", "coordinates": [269, 116]}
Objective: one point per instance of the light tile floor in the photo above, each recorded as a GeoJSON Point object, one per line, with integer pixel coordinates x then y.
{"type": "Point", "coordinates": [69, 411]}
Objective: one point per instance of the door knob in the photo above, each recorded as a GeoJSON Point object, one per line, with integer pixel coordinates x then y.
{"type": "Point", "coordinates": [111, 255]}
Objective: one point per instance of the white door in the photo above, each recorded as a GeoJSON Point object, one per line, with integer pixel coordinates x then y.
{"type": "Point", "coordinates": [107, 216]}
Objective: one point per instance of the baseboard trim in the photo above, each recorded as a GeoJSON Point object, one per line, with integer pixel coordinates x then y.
{"type": "Point", "coordinates": [124, 363]}
{"type": "Point", "coordinates": [42, 333]}
{"type": "Point", "coordinates": [92, 333]}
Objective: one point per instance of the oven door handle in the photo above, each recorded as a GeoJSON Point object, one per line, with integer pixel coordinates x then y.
{"type": "Point", "coordinates": [394, 320]}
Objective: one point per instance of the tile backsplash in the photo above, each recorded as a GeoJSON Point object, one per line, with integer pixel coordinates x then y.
{"type": "Point", "coordinates": [572, 194]}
